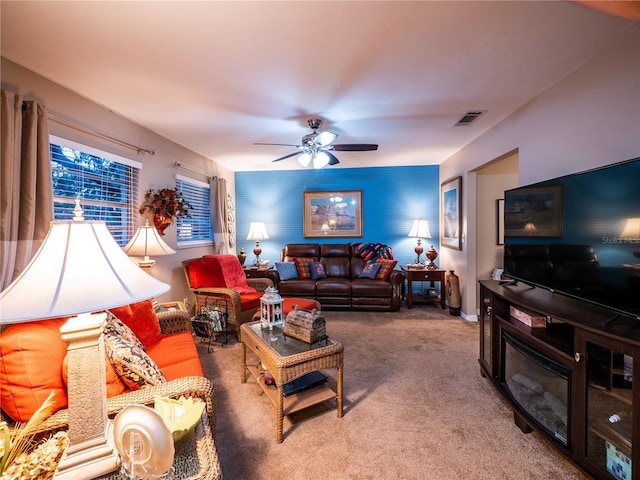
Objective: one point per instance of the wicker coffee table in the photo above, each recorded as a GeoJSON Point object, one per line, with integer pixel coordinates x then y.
{"type": "Point", "coordinates": [287, 359]}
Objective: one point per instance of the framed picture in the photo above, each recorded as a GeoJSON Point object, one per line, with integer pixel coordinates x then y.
{"type": "Point", "coordinates": [332, 214]}
{"type": "Point", "coordinates": [500, 221]}
{"type": "Point", "coordinates": [451, 213]}
{"type": "Point", "coordinates": [533, 212]}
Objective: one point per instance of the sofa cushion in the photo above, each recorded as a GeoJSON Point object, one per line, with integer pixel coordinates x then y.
{"type": "Point", "coordinates": [142, 319]}
{"type": "Point", "coordinates": [287, 270]}
{"type": "Point", "coordinates": [176, 355]}
{"type": "Point", "coordinates": [31, 356]}
{"type": "Point", "coordinates": [370, 270]}
{"type": "Point", "coordinates": [370, 288]}
{"type": "Point", "coordinates": [250, 300]}
{"type": "Point", "coordinates": [333, 287]}
{"type": "Point", "coordinates": [297, 288]}
{"type": "Point", "coordinates": [386, 267]}
{"type": "Point", "coordinates": [135, 368]}
{"type": "Point", "coordinates": [317, 270]}
{"type": "Point", "coordinates": [304, 267]}
{"type": "Point", "coordinates": [117, 327]}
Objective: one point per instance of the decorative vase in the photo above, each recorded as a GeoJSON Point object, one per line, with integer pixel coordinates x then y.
{"type": "Point", "coordinates": [161, 223]}
{"type": "Point", "coordinates": [242, 256]}
{"type": "Point", "coordinates": [453, 293]}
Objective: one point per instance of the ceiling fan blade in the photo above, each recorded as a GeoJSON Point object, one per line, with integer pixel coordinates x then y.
{"type": "Point", "coordinates": [287, 156]}
{"type": "Point", "coordinates": [333, 160]}
{"type": "Point", "coordinates": [281, 144]}
{"type": "Point", "coordinates": [325, 138]}
{"type": "Point", "coordinates": [355, 147]}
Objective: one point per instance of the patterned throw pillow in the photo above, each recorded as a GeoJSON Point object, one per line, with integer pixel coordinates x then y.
{"type": "Point", "coordinates": [135, 368]}
{"type": "Point", "coordinates": [386, 266]}
{"type": "Point", "coordinates": [287, 270]}
{"type": "Point", "coordinates": [370, 270]}
{"type": "Point", "coordinates": [115, 326]}
{"type": "Point", "coordinates": [302, 263]}
{"type": "Point", "coordinates": [317, 270]}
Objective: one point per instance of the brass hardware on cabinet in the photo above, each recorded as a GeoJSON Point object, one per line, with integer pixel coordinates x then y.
{"type": "Point", "coordinates": [578, 357]}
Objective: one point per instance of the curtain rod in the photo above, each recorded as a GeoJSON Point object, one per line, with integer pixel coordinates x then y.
{"type": "Point", "coordinates": [191, 169]}
{"type": "Point", "coordinates": [85, 129]}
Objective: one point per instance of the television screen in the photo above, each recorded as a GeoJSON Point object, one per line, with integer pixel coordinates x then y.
{"type": "Point", "coordinates": [579, 235]}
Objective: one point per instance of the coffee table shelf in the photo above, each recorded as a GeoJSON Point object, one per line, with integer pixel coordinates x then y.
{"type": "Point", "coordinates": [297, 401]}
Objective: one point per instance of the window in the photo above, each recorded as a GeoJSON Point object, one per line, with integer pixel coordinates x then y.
{"type": "Point", "coordinates": [195, 229]}
{"type": "Point", "coordinates": [106, 184]}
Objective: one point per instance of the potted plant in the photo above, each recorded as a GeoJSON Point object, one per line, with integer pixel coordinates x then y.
{"type": "Point", "coordinates": [165, 205]}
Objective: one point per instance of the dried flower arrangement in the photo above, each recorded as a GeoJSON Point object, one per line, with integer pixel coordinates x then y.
{"type": "Point", "coordinates": [165, 205]}
{"type": "Point", "coordinates": [21, 454]}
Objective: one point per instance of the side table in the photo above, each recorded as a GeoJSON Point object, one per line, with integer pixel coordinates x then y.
{"type": "Point", "coordinates": [256, 272]}
{"type": "Point", "coordinates": [424, 275]}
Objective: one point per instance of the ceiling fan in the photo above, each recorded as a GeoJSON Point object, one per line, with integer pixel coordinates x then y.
{"type": "Point", "coordinates": [316, 147]}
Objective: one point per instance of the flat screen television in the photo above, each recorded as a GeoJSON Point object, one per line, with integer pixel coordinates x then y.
{"type": "Point", "coordinates": [579, 235]}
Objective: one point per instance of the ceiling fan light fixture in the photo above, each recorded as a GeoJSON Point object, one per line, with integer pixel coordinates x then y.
{"type": "Point", "coordinates": [320, 160]}
{"type": "Point", "coordinates": [325, 138]}
{"type": "Point", "coordinates": [304, 159]}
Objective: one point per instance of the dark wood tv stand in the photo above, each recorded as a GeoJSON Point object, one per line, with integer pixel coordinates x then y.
{"type": "Point", "coordinates": [599, 414]}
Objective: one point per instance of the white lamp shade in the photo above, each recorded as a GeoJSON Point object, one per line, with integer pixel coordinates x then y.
{"type": "Point", "coordinates": [257, 231]}
{"type": "Point", "coordinates": [146, 241]}
{"type": "Point", "coordinates": [631, 228]}
{"type": "Point", "coordinates": [420, 229]}
{"type": "Point", "coordinates": [79, 268]}
{"type": "Point", "coordinates": [304, 159]}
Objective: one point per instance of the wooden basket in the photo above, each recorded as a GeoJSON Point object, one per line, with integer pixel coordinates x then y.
{"type": "Point", "coordinates": [308, 327]}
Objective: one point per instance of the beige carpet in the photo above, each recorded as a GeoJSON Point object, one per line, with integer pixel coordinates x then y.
{"type": "Point", "coordinates": [416, 407]}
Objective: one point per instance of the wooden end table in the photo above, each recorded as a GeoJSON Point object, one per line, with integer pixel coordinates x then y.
{"type": "Point", "coordinates": [424, 275]}
{"type": "Point", "coordinates": [287, 359]}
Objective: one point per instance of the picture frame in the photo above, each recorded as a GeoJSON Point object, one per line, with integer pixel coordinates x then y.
{"type": "Point", "coordinates": [500, 221]}
{"type": "Point", "coordinates": [451, 213]}
{"type": "Point", "coordinates": [332, 213]}
{"type": "Point", "coordinates": [533, 212]}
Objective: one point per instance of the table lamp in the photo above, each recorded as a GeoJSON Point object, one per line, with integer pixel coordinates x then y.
{"type": "Point", "coordinates": [257, 232]}
{"type": "Point", "coordinates": [146, 241]}
{"type": "Point", "coordinates": [420, 230]}
{"type": "Point", "coordinates": [80, 269]}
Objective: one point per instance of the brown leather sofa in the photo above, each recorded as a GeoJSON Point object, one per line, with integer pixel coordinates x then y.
{"type": "Point", "coordinates": [342, 289]}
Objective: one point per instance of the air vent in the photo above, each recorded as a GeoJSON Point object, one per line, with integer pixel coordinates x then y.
{"type": "Point", "coordinates": [470, 117]}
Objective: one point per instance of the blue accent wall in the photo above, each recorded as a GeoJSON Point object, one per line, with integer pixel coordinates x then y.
{"type": "Point", "coordinates": [392, 197]}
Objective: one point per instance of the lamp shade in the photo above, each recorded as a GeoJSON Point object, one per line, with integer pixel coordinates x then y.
{"type": "Point", "coordinates": [146, 241]}
{"type": "Point", "coordinates": [631, 228]}
{"type": "Point", "coordinates": [79, 268]}
{"type": "Point", "coordinates": [419, 229]}
{"type": "Point", "coordinates": [257, 231]}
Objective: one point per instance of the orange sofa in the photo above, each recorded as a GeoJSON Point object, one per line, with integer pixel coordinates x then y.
{"type": "Point", "coordinates": [148, 354]}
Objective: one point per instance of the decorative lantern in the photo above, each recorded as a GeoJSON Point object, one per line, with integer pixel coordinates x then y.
{"type": "Point", "coordinates": [271, 308]}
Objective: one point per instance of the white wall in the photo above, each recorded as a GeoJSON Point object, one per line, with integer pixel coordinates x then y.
{"type": "Point", "coordinates": [157, 172]}
{"type": "Point", "coordinates": [589, 119]}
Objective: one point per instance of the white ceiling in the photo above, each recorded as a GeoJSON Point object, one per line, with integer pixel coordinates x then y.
{"type": "Point", "coordinates": [217, 76]}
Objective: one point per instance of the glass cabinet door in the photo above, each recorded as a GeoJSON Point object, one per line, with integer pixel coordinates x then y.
{"type": "Point", "coordinates": [609, 409]}
{"type": "Point", "coordinates": [485, 332]}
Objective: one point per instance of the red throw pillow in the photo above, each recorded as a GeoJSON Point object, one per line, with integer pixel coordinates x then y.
{"type": "Point", "coordinates": [31, 356]}
{"type": "Point", "coordinates": [303, 266]}
{"type": "Point", "coordinates": [142, 319]}
{"type": "Point", "coordinates": [386, 267]}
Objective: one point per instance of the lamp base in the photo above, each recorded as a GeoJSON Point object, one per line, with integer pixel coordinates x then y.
{"type": "Point", "coordinates": [90, 458]}
{"type": "Point", "coordinates": [146, 264]}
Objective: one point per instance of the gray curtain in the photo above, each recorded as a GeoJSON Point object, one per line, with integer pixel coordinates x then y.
{"type": "Point", "coordinates": [219, 217]}
{"type": "Point", "coordinates": [26, 189]}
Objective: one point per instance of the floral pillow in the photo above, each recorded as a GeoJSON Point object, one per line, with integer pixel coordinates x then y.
{"type": "Point", "coordinates": [370, 271]}
{"type": "Point", "coordinates": [317, 270]}
{"type": "Point", "coordinates": [135, 368]}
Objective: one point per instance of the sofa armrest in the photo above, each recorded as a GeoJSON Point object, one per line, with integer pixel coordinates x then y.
{"type": "Point", "coordinates": [174, 322]}
{"type": "Point", "coordinates": [198, 387]}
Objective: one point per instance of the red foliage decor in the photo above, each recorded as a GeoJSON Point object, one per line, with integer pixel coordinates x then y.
{"type": "Point", "coordinates": [165, 205]}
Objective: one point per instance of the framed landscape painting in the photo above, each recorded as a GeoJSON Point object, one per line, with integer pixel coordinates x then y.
{"type": "Point", "coordinates": [332, 214]}
{"type": "Point", "coordinates": [451, 213]}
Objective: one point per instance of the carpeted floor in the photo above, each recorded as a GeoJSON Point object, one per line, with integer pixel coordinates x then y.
{"type": "Point", "coordinates": [416, 407]}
